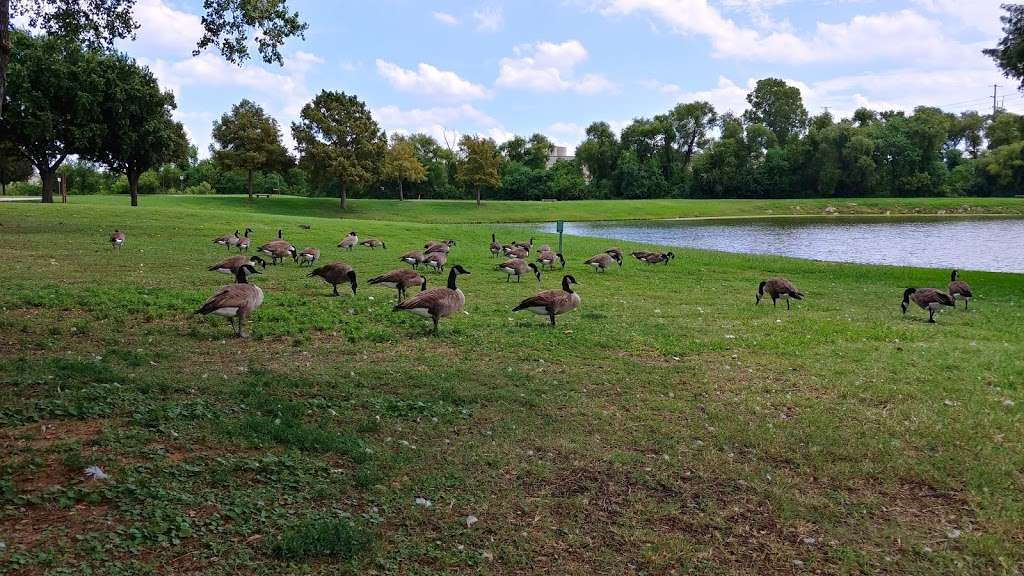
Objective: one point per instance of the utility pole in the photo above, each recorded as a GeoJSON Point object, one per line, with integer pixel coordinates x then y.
{"type": "Point", "coordinates": [995, 105]}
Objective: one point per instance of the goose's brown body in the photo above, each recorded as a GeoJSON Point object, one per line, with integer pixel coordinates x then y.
{"type": "Point", "coordinates": [401, 279]}
{"type": "Point", "coordinates": [928, 299]}
{"type": "Point", "coordinates": [777, 288]}
{"type": "Point", "coordinates": [437, 303]}
{"type": "Point", "coordinates": [336, 273]}
{"type": "Point", "coordinates": [552, 302]}
{"type": "Point", "coordinates": [959, 289]}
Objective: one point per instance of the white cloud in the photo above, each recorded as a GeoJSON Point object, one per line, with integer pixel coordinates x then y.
{"type": "Point", "coordinates": [446, 19]}
{"type": "Point", "coordinates": [549, 67]}
{"type": "Point", "coordinates": [489, 18]}
{"type": "Point", "coordinates": [904, 35]}
{"type": "Point", "coordinates": [982, 15]}
{"type": "Point", "coordinates": [428, 80]}
{"type": "Point", "coordinates": [441, 122]}
{"type": "Point", "coordinates": [164, 30]}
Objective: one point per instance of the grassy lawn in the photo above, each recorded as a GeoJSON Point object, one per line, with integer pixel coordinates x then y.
{"type": "Point", "coordinates": [668, 426]}
{"type": "Point", "coordinates": [462, 212]}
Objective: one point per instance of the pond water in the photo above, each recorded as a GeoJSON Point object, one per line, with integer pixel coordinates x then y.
{"type": "Point", "coordinates": [993, 243]}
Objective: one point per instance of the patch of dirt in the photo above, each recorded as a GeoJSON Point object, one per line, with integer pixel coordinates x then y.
{"type": "Point", "coordinates": [42, 435]}
{"type": "Point", "coordinates": [44, 525]}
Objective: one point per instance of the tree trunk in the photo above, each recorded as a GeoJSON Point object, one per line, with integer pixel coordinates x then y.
{"type": "Point", "coordinates": [401, 193]}
{"type": "Point", "coordinates": [3, 189]}
{"type": "Point", "coordinates": [344, 194]}
{"type": "Point", "coordinates": [49, 178]}
{"type": "Point", "coordinates": [249, 184]}
{"type": "Point", "coordinates": [477, 195]}
{"type": "Point", "coordinates": [133, 186]}
{"type": "Point", "coordinates": [5, 49]}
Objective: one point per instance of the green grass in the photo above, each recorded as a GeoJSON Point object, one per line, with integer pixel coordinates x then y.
{"type": "Point", "coordinates": [668, 425]}
{"type": "Point", "coordinates": [461, 212]}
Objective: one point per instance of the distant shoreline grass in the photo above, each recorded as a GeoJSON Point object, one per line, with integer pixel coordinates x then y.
{"type": "Point", "coordinates": [525, 212]}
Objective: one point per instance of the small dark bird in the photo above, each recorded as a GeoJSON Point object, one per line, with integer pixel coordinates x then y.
{"type": "Point", "coordinates": [401, 279]}
{"type": "Point", "coordinates": [437, 303]}
{"type": "Point", "coordinates": [928, 299]}
{"type": "Point", "coordinates": [959, 289]}
{"type": "Point", "coordinates": [235, 301]}
{"type": "Point", "coordinates": [117, 239]}
{"type": "Point", "coordinates": [778, 288]}
{"type": "Point", "coordinates": [336, 273]}
{"type": "Point", "coordinates": [552, 302]}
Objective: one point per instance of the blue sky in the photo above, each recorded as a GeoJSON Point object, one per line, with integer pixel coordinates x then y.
{"type": "Point", "coordinates": [517, 67]}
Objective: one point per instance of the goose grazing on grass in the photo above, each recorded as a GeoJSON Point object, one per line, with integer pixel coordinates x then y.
{"type": "Point", "coordinates": [603, 261]}
{"type": "Point", "coordinates": [230, 265]}
{"type": "Point", "coordinates": [928, 299]}
{"type": "Point", "coordinates": [437, 303]}
{"type": "Point", "coordinates": [401, 279]}
{"type": "Point", "coordinates": [517, 252]}
{"type": "Point", "coordinates": [244, 241]}
{"type": "Point", "coordinates": [442, 247]}
{"type": "Point", "coordinates": [372, 243]}
{"type": "Point", "coordinates": [414, 258]}
{"type": "Point", "coordinates": [614, 251]}
{"type": "Point", "coordinates": [278, 250]}
{"type": "Point", "coordinates": [547, 258]}
{"type": "Point", "coordinates": [525, 245]}
{"type": "Point", "coordinates": [552, 302]}
{"type": "Point", "coordinates": [117, 239]}
{"type": "Point", "coordinates": [336, 273]}
{"type": "Point", "coordinates": [495, 247]}
{"type": "Point", "coordinates": [544, 248]}
{"type": "Point", "coordinates": [658, 257]}
{"type": "Point", "coordinates": [959, 289]}
{"type": "Point", "coordinates": [436, 260]}
{"type": "Point", "coordinates": [349, 241]}
{"type": "Point", "coordinates": [517, 268]}
{"type": "Point", "coordinates": [641, 255]}
{"type": "Point", "coordinates": [778, 288]}
{"type": "Point", "coordinates": [235, 301]}
{"type": "Point", "coordinates": [308, 255]}
{"type": "Point", "coordinates": [228, 240]}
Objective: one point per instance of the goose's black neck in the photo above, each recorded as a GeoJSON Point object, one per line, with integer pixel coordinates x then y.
{"type": "Point", "coordinates": [451, 279]}
{"type": "Point", "coordinates": [240, 276]}
{"type": "Point", "coordinates": [566, 285]}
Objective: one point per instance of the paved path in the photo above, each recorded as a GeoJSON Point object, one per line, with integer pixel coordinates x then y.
{"type": "Point", "coordinates": [20, 199]}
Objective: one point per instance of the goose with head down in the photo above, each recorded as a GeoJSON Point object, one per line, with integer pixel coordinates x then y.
{"type": "Point", "coordinates": [308, 255]}
{"type": "Point", "coordinates": [928, 299]}
{"type": "Point", "coordinates": [235, 301]}
{"type": "Point", "coordinates": [278, 250]}
{"type": "Point", "coordinates": [117, 239]}
{"type": "Point", "coordinates": [548, 258]}
{"type": "Point", "coordinates": [436, 260]}
{"type": "Point", "coordinates": [336, 273]}
{"type": "Point", "coordinates": [401, 279]}
{"type": "Point", "coordinates": [230, 265]}
{"type": "Point", "coordinates": [603, 261]}
{"type": "Point", "coordinates": [552, 302]}
{"type": "Point", "coordinates": [372, 243]}
{"type": "Point", "coordinates": [227, 240]}
{"type": "Point", "coordinates": [777, 288]}
{"type": "Point", "coordinates": [658, 257]}
{"type": "Point", "coordinates": [433, 246]}
{"type": "Point", "coordinates": [518, 268]}
{"type": "Point", "coordinates": [414, 258]}
{"type": "Point", "coordinates": [437, 303]}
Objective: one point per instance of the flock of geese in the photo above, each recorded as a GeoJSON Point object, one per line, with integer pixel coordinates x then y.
{"type": "Point", "coordinates": [237, 301]}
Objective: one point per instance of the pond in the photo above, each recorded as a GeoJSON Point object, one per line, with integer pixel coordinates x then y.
{"type": "Point", "coordinates": [995, 243]}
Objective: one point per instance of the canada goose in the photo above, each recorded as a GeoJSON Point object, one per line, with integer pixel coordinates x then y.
{"type": "Point", "coordinates": [959, 289]}
{"type": "Point", "coordinates": [349, 241]}
{"type": "Point", "coordinates": [117, 239]}
{"type": "Point", "coordinates": [414, 258]}
{"type": "Point", "coordinates": [373, 243]}
{"type": "Point", "coordinates": [547, 258]}
{"type": "Point", "coordinates": [517, 268]}
{"type": "Point", "coordinates": [658, 257]}
{"type": "Point", "coordinates": [778, 288]}
{"type": "Point", "coordinates": [233, 263]}
{"type": "Point", "coordinates": [278, 250]}
{"type": "Point", "coordinates": [603, 261]}
{"type": "Point", "coordinates": [544, 248]}
{"type": "Point", "coordinates": [401, 279]}
{"type": "Point", "coordinates": [335, 274]}
{"type": "Point", "coordinates": [436, 260]}
{"type": "Point", "coordinates": [443, 246]}
{"type": "Point", "coordinates": [525, 245]}
{"type": "Point", "coordinates": [228, 240]}
{"type": "Point", "coordinates": [437, 303]}
{"type": "Point", "coordinates": [308, 255]}
{"type": "Point", "coordinates": [236, 300]}
{"type": "Point", "coordinates": [640, 254]}
{"type": "Point", "coordinates": [552, 302]}
{"type": "Point", "coordinates": [928, 299]}
{"type": "Point", "coordinates": [495, 247]}
{"type": "Point", "coordinates": [243, 242]}
{"type": "Point", "coordinates": [517, 252]}
{"type": "Point", "coordinates": [614, 250]}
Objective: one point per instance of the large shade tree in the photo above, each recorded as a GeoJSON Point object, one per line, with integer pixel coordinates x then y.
{"type": "Point", "coordinates": [248, 139]}
{"type": "Point", "coordinates": [692, 123]}
{"type": "Point", "coordinates": [479, 164]}
{"type": "Point", "coordinates": [140, 133]}
{"type": "Point", "coordinates": [402, 165]}
{"type": "Point", "coordinates": [231, 26]}
{"type": "Point", "coordinates": [778, 106]}
{"type": "Point", "coordinates": [1009, 52]}
{"type": "Point", "coordinates": [53, 93]}
{"type": "Point", "coordinates": [337, 137]}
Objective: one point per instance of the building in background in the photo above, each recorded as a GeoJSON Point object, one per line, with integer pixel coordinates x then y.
{"type": "Point", "coordinates": [558, 153]}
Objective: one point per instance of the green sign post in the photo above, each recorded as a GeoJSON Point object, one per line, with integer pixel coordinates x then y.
{"type": "Point", "coordinates": [560, 227]}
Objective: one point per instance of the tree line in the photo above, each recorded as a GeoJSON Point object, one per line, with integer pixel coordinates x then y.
{"type": "Point", "coordinates": [110, 117]}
